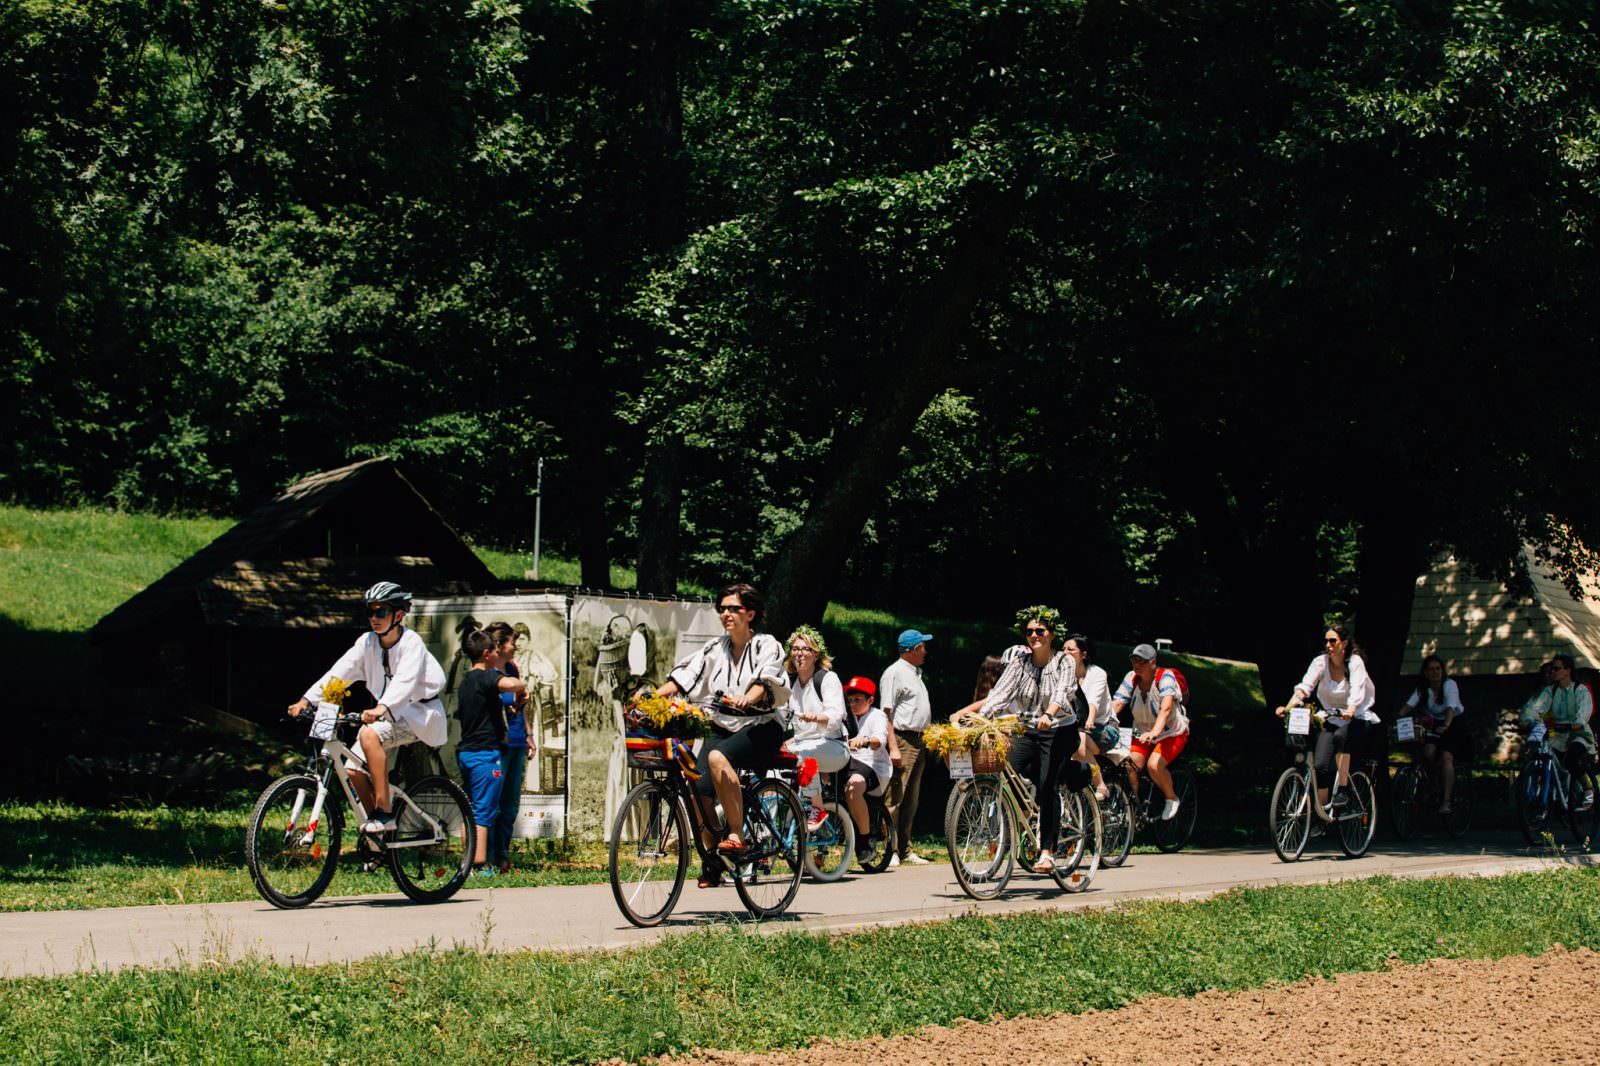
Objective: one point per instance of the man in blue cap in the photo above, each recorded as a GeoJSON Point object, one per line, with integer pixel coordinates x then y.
{"type": "Point", "coordinates": [904, 698]}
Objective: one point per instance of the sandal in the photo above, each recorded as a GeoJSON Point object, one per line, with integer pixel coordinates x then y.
{"type": "Point", "coordinates": [1045, 865]}
{"type": "Point", "coordinates": [730, 846]}
{"type": "Point", "coordinates": [710, 876]}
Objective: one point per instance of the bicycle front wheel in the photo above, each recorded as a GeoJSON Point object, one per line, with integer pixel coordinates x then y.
{"type": "Point", "coordinates": [979, 839]}
{"type": "Point", "coordinates": [1583, 822]}
{"type": "Point", "coordinates": [649, 853]}
{"type": "Point", "coordinates": [1078, 845]}
{"type": "Point", "coordinates": [1174, 832]}
{"type": "Point", "coordinates": [1533, 808]}
{"type": "Point", "coordinates": [831, 847]}
{"type": "Point", "coordinates": [1289, 817]}
{"type": "Point", "coordinates": [768, 875]}
{"type": "Point", "coordinates": [431, 849]}
{"type": "Point", "coordinates": [1406, 803]}
{"type": "Point", "coordinates": [882, 830]}
{"type": "Point", "coordinates": [1116, 821]}
{"type": "Point", "coordinates": [292, 860]}
{"type": "Point", "coordinates": [1357, 825]}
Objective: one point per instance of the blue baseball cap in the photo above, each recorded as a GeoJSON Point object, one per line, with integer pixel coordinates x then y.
{"type": "Point", "coordinates": [910, 638]}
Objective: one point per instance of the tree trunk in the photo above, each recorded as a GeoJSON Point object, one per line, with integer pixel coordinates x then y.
{"type": "Point", "coordinates": [1393, 553]}
{"type": "Point", "coordinates": [660, 513]}
{"type": "Point", "coordinates": [934, 326]}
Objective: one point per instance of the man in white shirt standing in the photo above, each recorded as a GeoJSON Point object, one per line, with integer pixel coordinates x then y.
{"type": "Point", "coordinates": [904, 699]}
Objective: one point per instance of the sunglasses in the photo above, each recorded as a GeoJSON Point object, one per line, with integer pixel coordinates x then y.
{"type": "Point", "coordinates": [729, 608]}
{"type": "Point", "coordinates": [379, 611]}
{"type": "Point", "coordinates": [1035, 631]}
{"type": "Point", "coordinates": [1330, 640]}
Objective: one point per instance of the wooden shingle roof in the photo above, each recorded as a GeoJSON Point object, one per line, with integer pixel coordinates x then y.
{"type": "Point", "coordinates": [1479, 628]}
{"type": "Point", "coordinates": [251, 568]}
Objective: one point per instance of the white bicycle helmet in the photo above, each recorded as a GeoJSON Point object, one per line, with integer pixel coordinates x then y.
{"type": "Point", "coordinates": [389, 592]}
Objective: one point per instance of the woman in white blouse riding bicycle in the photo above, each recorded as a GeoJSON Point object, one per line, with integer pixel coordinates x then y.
{"type": "Point", "coordinates": [1344, 690]}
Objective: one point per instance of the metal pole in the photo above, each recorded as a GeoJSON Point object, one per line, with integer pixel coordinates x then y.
{"type": "Point", "coordinates": [538, 514]}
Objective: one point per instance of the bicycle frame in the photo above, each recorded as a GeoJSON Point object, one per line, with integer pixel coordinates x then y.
{"type": "Point", "coordinates": [334, 758]}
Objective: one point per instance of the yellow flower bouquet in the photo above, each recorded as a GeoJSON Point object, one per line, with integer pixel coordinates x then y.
{"type": "Point", "coordinates": [334, 691]}
{"type": "Point", "coordinates": [972, 733]}
{"type": "Point", "coordinates": [662, 716]}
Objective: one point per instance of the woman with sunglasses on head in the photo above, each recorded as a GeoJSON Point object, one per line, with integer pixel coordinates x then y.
{"type": "Point", "coordinates": [1039, 686]}
{"type": "Point", "coordinates": [746, 668]}
{"type": "Point", "coordinates": [1339, 678]}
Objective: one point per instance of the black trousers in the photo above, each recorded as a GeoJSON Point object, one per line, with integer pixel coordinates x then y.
{"type": "Point", "coordinates": [1039, 756]}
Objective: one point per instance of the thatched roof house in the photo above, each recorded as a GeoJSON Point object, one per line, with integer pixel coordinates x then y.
{"type": "Point", "coordinates": [236, 623]}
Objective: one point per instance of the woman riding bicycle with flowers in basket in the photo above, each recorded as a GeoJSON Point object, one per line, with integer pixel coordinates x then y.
{"type": "Point", "coordinates": [739, 681]}
{"type": "Point", "coordinates": [1040, 686]}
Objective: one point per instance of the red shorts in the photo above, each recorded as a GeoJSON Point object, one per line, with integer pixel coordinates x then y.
{"type": "Point", "coordinates": [1169, 748]}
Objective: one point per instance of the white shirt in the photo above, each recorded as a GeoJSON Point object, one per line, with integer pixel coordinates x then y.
{"type": "Point", "coordinates": [874, 725]}
{"type": "Point", "coordinates": [822, 695]}
{"type": "Point", "coordinates": [409, 686]}
{"type": "Point", "coordinates": [1028, 689]}
{"type": "Point", "coordinates": [1147, 704]}
{"type": "Point", "coordinates": [904, 697]}
{"type": "Point", "coordinates": [712, 668]}
{"type": "Point", "coordinates": [1354, 695]}
{"type": "Point", "coordinates": [1436, 705]}
{"type": "Point", "coordinates": [1096, 688]}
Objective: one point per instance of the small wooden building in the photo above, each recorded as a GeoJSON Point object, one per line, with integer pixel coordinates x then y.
{"type": "Point", "coordinates": [249, 620]}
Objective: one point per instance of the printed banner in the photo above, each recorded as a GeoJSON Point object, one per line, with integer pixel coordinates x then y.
{"type": "Point", "coordinates": [540, 621]}
{"type": "Point", "coordinates": [618, 644]}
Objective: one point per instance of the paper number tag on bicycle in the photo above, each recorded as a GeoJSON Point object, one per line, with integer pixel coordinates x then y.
{"type": "Point", "coordinates": [1300, 720]}
{"type": "Point", "coordinates": [960, 763]}
{"type": "Point", "coordinates": [1537, 734]}
{"type": "Point", "coordinates": [1124, 740]}
{"type": "Point", "coordinates": [322, 724]}
{"type": "Point", "coordinates": [1405, 729]}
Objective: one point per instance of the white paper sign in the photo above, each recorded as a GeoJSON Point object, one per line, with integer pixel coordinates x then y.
{"type": "Point", "coordinates": [960, 763]}
{"type": "Point", "coordinates": [1537, 734]}
{"type": "Point", "coordinates": [322, 724]}
{"type": "Point", "coordinates": [1124, 740]}
{"type": "Point", "coordinates": [1405, 729]}
{"type": "Point", "coordinates": [1300, 720]}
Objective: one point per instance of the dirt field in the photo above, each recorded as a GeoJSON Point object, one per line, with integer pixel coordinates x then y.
{"type": "Point", "coordinates": [1515, 1010]}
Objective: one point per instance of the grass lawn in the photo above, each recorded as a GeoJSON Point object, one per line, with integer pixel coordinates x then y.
{"type": "Point", "coordinates": [728, 990]}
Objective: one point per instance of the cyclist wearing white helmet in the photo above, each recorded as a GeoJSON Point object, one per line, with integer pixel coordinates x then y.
{"type": "Point", "coordinates": [404, 677]}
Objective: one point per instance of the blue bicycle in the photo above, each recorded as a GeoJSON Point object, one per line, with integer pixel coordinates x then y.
{"type": "Point", "coordinates": [1549, 794]}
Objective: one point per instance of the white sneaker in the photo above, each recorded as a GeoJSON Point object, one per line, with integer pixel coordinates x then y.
{"type": "Point", "coordinates": [894, 860]}
{"type": "Point", "coordinates": [380, 822]}
{"type": "Point", "coordinates": [1169, 811]}
{"type": "Point", "coordinates": [914, 859]}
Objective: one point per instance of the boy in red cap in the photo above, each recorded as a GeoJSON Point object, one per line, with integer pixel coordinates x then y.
{"type": "Point", "coordinates": [869, 769]}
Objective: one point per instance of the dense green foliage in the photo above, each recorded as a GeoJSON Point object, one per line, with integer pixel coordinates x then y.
{"type": "Point", "coordinates": [1142, 311]}
{"type": "Point", "coordinates": [730, 990]}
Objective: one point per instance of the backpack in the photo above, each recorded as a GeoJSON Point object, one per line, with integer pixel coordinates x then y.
{"type": "Point", "coordinates": [1177, 675]}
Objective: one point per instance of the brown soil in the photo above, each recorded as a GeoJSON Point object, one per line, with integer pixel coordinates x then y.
{"type": "Point", "coordinates": [1514, 1010]}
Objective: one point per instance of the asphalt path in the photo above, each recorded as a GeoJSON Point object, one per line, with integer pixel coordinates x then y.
{"type": "Point", "coordinates": [584, 917]}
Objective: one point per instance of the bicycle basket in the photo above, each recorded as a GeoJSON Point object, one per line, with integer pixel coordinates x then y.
{"type": "Point", "coordinates": [1296, 741]}
{"type": "Point", "coordinates": [986, 759]}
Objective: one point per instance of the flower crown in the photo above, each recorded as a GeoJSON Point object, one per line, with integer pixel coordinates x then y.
{"type": "Point", "coordinates": [1041, 613]}
{"type": "Point", "coordinates": [813, 637]}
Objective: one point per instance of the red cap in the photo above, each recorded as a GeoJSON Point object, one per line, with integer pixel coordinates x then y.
{"type": "Point", "coordinates": [863, 684]}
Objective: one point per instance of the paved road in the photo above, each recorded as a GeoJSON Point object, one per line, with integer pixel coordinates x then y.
{"type": "Point", "coordinates": [581, 917]}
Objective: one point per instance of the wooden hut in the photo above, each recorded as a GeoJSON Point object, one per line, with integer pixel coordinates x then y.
{"type": "Point", "coordinates": [246, 622]}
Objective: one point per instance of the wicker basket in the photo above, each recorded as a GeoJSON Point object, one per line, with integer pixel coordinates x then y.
{"type": "Point", "coordinates": [985, 759]}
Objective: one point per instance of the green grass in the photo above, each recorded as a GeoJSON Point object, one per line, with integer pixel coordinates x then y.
{"type": "Point", "coordinates": [56, 856]}
{"type": "Point", "coordinates": [729, 990]}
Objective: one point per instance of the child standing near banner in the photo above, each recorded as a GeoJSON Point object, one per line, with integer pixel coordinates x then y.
{"type": "Point", "coordinates": [483, 731]}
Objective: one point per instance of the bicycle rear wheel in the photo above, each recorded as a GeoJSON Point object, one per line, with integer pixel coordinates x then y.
{"type": "Point", "coordinates": [1079, 843]}
{"type": "Point", "coordinates": [1459, 820]}
{"type": "Point", "coordinates": [290, 861]}
{"type": "Point", "coordinates": [768, 873]}
{"type": "Point", "coordinates": [882, 830]}
{"type": "Point", "coordinates": [1533, 808]}
{"type": "Point", "coordinates": [1289, 817]}
{"type": "Point", "coordinates": [979, 839]}
{"type": "Point", "coordinates": [1583, 822]}
{"type": "Point", "coordinates": [433, 869]}
{"type": "Point", "coordinates": [1116, 820]}
{"type": "Point", "coordinates": [831, 847]}
{"type": "Point", "coordinates": [1357, 827]}
{"type": "Point", "coordinates": [1175, 832]}
{"type": "Point", "coordinates": [1406, 803]}
{"type": "Point", "coordinates": [649, 855]}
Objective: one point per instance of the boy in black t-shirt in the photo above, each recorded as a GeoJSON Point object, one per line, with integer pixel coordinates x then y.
{"type": "Point", "coordinates": [480, 708]}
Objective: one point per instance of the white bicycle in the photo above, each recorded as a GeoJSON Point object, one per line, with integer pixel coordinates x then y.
{"type": "Point", "coordinates": [296, 834]}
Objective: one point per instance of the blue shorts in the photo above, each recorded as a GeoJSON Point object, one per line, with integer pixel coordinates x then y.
{"type": "Point", "coordinates": [480, 772]}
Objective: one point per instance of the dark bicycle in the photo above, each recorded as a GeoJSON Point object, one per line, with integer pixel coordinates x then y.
{"type": "Point", "coordinates": [660, 820]}
{"type": "Point", "coordinates": [1548, 794]}
{"type": "Point", "coordinates": [1125, 813]}
{"type": "Point", "coordinates": [1416, 792]}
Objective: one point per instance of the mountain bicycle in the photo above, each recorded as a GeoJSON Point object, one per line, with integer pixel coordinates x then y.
{"type": "Point", "coordinates": [660, 820]}
{"type": "Point", "coordinates": [1415, 795]}
{"type": "Point", "coordinates": [1294, 802]}
{"type": "Point", "coordinates": [1126, 812]}
{"type": "Point", "coordinates": [292, 845]}
{"type": "Point", "coordinates": [992, 823]}
{"type": "Point", "coordinates": [1547, 792]}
